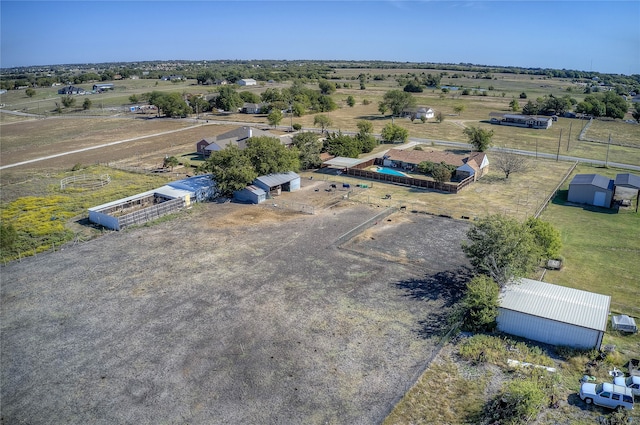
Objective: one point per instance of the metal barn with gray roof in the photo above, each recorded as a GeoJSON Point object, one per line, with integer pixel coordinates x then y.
{"type": "Point", "coordinates": [287, 182]}
{"type": "Point", "coordinates": [591, 189]}
{"type": "Point", "coordinates": [553, 314]}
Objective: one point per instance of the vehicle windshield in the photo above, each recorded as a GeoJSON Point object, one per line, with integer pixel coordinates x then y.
{"type": "Point", "coordinates": [598, 388]}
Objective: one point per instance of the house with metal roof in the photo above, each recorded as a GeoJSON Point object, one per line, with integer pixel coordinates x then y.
{"type": "Point", "coordinates": [247, 82]}
{"type": "Point", "coordinates": [591, 189]}
{"type": "Point", "coordinates": [553, 314]}
{"type": "Point", "coordinates": [276, 183]}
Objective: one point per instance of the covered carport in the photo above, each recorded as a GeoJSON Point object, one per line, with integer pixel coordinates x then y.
{"type": "Point", "coordinates": [629, 181]}
{"type": "Point", "coordinates": [342, 162]}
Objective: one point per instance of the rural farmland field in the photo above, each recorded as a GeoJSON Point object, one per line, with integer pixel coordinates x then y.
{"type": "Point", "coordinates": [230, 313]}
{"type": "Point", "coordinates": [256, 316]}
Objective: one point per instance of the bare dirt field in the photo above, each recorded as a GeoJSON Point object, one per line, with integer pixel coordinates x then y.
{"type": "Point", "coordinates": [251, 315]}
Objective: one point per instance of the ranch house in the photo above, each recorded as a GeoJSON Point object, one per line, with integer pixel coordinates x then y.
{"type": "Point", "coordinates": [418, 113]}
{"type": "Point", "coordinates": [518, 120]}
{"type": "Point", "coordinates": [475, 164]}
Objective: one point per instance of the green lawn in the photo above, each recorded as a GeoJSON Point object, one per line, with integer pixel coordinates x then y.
{"type": "Point", "coordinates": [601, 248]}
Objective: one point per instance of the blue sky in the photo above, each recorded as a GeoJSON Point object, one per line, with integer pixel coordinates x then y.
{"type": "Point", "coordinates": [602, 36]}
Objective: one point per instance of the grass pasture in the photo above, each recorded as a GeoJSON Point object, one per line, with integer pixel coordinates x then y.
{"type": "Point", "coordinates": [601, 248]}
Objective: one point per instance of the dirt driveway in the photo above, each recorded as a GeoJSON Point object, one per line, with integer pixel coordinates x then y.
{"type": "Point", "coordinates": [229, 314]}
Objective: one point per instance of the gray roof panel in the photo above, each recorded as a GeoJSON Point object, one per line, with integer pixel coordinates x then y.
{"type": "Point", "coordinates": [559, 303]}
{"type": "Point", "coordinates": [593, 180]}
{"type": "Point", "coordinates": [273, 180]}
{"type": "Point", "coordinates": [628, 180]}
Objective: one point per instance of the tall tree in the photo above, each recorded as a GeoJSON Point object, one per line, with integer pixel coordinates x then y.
{"type": "Point", "coordinates": [326, 87]}
{"type": "Point", "coordinates": [309, 147]}
{"type": "Point", "coordinates": [323, 121]}
{"type": "Point", "coordinates": [170, 104]}
{"type": "Point", "coordinates": [339, 144]}
{"type": "Point", "coordinates": [249, 97]}
{"type": "Point", "coordinates": [170, 162]}
{"type": "Point", "coordinates": [546, 236]}
{"type": "Point", "coordinates": [509, 162]}
{"type": "Point", "coordinates": [274, 117]}
{"type": "Point", "coordinates": [397, 100]}
{"type": "Point", "coordinates": [365, 136]}
{"type": "Point", "coordinates": [232, 170]}
{"type": "Point", "coordinates": [268, 155]}
{"type": "Point", "coordinates": [228, 99]}
{"type": "Point", "coordinates": [502, 248]}
{"type": "Point", "coordinates": [479, 137]}
{"type": "Point", "coordinates": [392, 133]}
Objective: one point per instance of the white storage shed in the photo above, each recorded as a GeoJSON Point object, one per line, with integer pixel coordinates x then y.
{"type": "Point", "coordinates": [553, 314]}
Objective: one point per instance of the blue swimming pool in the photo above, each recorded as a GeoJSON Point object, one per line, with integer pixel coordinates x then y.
{"type": "Point", "coordinates": [391, 171]}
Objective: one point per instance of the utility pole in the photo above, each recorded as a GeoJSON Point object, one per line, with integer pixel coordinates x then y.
{"type": "Point", "coordinates": [569, 138]}
{"type": "Point", "coordinates": [606, 160]}
{"type": "Point", "coordinates": [559, 140]}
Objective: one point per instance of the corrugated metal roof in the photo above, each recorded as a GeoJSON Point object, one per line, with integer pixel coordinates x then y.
{"type": "Point", "coordinates": [172, 192]}
{"type": "Point", "coordinates": [592, 179]}
{"type": "Point", "coordinates": [628, 180]}
{"type": "Point", "coordinates": [343, 162]}
{"type": "Point", "coordinates": [559, 303]}
{"type": "Point", "coordinates": [255, 189]}
{"type": "Point", "coordinates": [272, 180]}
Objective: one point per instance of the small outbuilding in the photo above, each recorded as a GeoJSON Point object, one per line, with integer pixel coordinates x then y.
{"type": "Point", "coordinates": [251, 194]}
{"type": "Point", "coordinates": [553, 314]}
{"type": "Point", "coordinates": [591, 189]}
{"type": "Point", "coordinates": [628, 181]}
{"type": "Point", "coordinates": [624, 323]}
{"type": "Point", "coordinates": [276, 183]}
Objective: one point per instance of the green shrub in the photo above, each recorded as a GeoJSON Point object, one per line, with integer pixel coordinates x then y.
{"type": "Point", "coordinates": [481, 304]}
{"type": "Point", "coordinates": [517, 403]}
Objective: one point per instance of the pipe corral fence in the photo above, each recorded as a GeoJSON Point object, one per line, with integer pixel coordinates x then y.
{"type": "Point", "coordinates": [85, 181]}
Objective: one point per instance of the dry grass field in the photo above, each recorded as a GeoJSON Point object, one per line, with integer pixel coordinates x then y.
{"type": "Point", "coordinates": [249, 315]}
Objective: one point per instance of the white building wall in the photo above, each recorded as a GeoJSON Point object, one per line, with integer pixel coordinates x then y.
{"type": "Point", "coordinates": [547, 331]}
